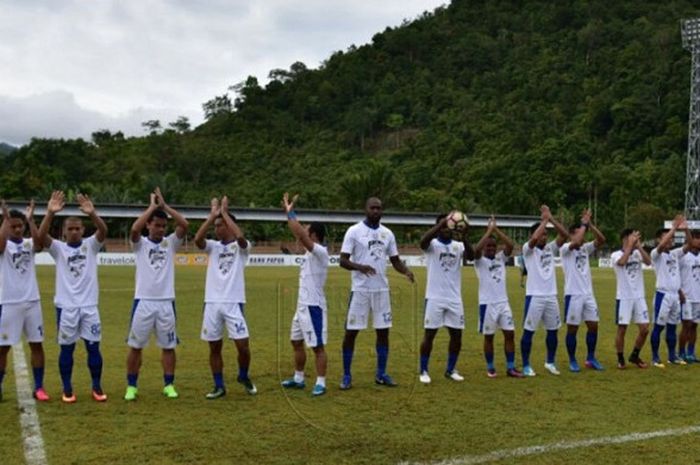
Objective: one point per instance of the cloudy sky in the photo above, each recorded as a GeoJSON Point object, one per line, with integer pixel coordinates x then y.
{"type": "Point", "coordinates": [70, 67]}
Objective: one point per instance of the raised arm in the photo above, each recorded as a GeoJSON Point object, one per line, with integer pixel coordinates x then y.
{"type": "Point", "coordinates": [507, 241]}
{"type": "Point", "coordinates": [5, 226]}
{"type": "Point", "coordinates": [667, 239]}
{"type": "Point", "coordinates": [479, 247]}
{"type": "Point", "coordinates": [599, 237]}
{"type": "Point", "coordinates": [628, 246]}
{"type": "Point", "coordinates": [545, 216]}
{"type": "Point", "coordinates": [432, 233]}
{"type": "Point", "coordinates": [200, 238]}
{"type": "Point", "coordinates": [88, 208]}
{"type": "Point", "coordinates": [33, 230]}
{"type": "Point", "coordinates": [181, 223]}
{"type": "Point", "coordinates": [468, 248]}
{"type": "Point", "coordinates": [55, 205]}
{"type": "Point", "coordinates": [645, 256]}
{"type": "Point", "coordinates": [140, 222]}
{"type": "Point", "coordinates": [240, 238]}
{"type": "Point", "coordinates": [297, 229]}
{"type": "Point", "coordinates": [562, 233]}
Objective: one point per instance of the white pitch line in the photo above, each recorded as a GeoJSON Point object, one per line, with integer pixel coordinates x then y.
{"type": "Point", "coordinates": [559, 446]}
{"type": "Point", "coordinates": [34, 453]}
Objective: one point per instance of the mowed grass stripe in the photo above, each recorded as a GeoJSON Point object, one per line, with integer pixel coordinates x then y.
{"type": "Point", "coordinates": [368, 424]}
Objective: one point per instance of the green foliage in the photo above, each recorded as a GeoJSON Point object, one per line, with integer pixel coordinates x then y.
{"type": "Point", "coordinates": [494, 106]}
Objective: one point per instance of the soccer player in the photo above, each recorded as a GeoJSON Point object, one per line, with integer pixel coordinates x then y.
{"type": "Point", "coordinates": [631, 307]}
{"type": "Point", "coordinates": [310, 322]}
{"type": "Point", "coordinates": [579, 302]}
{"type": "Point", "coordinates": [690, 296]}
{"type": "Point", "coordinates": [154, 296]}
{"type": "Point", "coordinates": [443, 293]}
{"type": "Point", "coordinates": [20, 305]}
{"type": "Point", "coordinates": [667, 304]}
{"type": "Point", "coordinates": [541, 303]}
{"type": "Point", "coordinates": [494, 309]}
{"type": "Point", "coordinates": [369, 243]}
{"type": "Point", "coordinates": [77, 290]}
{"type": "Point", "coordinates": [224, 295]}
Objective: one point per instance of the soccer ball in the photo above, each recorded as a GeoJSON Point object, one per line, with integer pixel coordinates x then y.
{"type": "Point", "coordinates": [457, 220]}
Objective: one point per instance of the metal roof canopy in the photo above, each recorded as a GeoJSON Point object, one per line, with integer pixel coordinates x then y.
{"type": "Point", "coordinates": [277, 215]}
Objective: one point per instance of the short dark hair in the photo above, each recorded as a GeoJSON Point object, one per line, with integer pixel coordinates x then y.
{"type": "Point", "coordinates": [319, 229]}
{"type": "Point", "coordinates": [157, 213]}
{"type": "Point", "coordinates": [695, 233]}
{"type": "Point", "coordinates": [660, 232]}
{"type": "Point", "coordinates": [574, 227]}
{"type": "Point", "coordinates": [440, 217]}
{"type": "Point", "coordinates": [18, 214]}
{"type": "Point", "coordinates": [626, 232]}
{"type": "Point", "coordinates": [230, 213]}
{"type": "Point", "coordinates": [534, 227]}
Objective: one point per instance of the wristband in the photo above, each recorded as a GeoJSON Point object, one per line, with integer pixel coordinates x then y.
{"type": "Point", "coordinates": [292, 215]}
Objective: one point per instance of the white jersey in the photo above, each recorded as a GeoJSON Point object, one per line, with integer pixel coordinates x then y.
{"type": "Point", "coordinates": [577, 269]}
{"type": "Point", "coordinates": [225, 272]}
{"type": "Point", "coordinates": [630, 278]}
{"type": "Point", "coordinates": [76, 273]}
{"type": "Point", "coordinates": [312, 278]}
{"type": "Point", "coordinates": [369, 246]}
{"type": "Point", "coordinates": [541, 276]}
{"type": "Point", "coordinates": [155, 267]}
{"type": "Point", "coordinates": [444, 263]}
{"type": "Point", "coordinates": [667, 269]}
{"type": "Point", "coordinates": [690, 276]}
{"type": "Point", "coordinates": [18, 273]}
{"type": "Point", "coordinates": [492, 279]}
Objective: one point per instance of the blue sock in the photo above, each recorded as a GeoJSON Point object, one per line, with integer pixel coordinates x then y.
{"type": "Point", "coordinates": [424, 359]}
{"type": "Point", "coordinates": [168, 379]}
{"type": "Point", "coordinates": [132, 378]}
{"type": "Point", "coordinates": [570, 346]}
{"type": "Point", "coordinates": [38, 377]}
{"type": "Point", "coordinates": [242, 372]}
{"type": "Point", "coordinates": [382, 357]}
{"type": "Point", "coordinates": [218, 380]}
{"type": "Point", "coordinates": [551, 341]}
{"type": "Point", "coordinates": [510, 360]}
{"type": "Point", "coordinates": [691, 349]}
{"type": "Point", "coordinates": [94, 362]}
{"type": "Point", "coordinates": [526, 346]}
{"type": "Point", "coordinates": [452, 361]}
{"type": "Point", "coordinates": [65, 366]}
{"type": "Point", "coordinates": [347, 361]}
{"type": "Point", "coordinates": [489, 360]}
{"type": "Point", "coordinates": [591, 342]}
{"type": "Point", "coordinates": [671, 341]}
{"type": "Point", "coordinates": [655, 341]}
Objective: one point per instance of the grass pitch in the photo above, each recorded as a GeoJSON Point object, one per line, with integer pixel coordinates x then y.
{"type": "Point", "coordinates": [368, 424]}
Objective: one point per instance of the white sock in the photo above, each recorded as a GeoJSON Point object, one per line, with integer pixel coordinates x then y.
{"type": "Point", "coordinates": [299, 376]}
{"type": "Point", "coordinates": [321, 380]}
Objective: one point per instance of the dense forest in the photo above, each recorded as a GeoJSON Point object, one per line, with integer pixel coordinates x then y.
{"type": "Point", "coordinates": [491, 106]}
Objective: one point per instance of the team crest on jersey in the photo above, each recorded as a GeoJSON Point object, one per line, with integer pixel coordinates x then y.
{"type": "Point", "coordinates": [581, 260]}
{"type": "Point", "coordinates": [226, 260]}
{"type": "Point", "coordinates": [633, 269]}
{"type": "Point", "coordinates": [21, 260]}
{"type": "Point", "coordinates": [164, 243]}
{"type": "Point", "coordinates": [26, 245]}
{"type": "Point", "coordinates": [83, 248]}
{"type": "Point", "coordinates": [76, 265]}
{"type": "Point", "coordinates": [496, 270]}
{"type": "Point", "coordinates": [448, 261]}
{"type": "Point", "coordinates": [695, 271]}
{"type": "Point", "coordinates": [376, 249]}
{"type": "Point", "coordinates": [157, 258]}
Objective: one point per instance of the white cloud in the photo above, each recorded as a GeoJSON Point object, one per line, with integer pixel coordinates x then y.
{"type": "Point", "coordinates": [71, 64]}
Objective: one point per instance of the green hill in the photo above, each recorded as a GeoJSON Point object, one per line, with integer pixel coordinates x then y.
{"type": "Point", "coordinates": [497, 106]}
